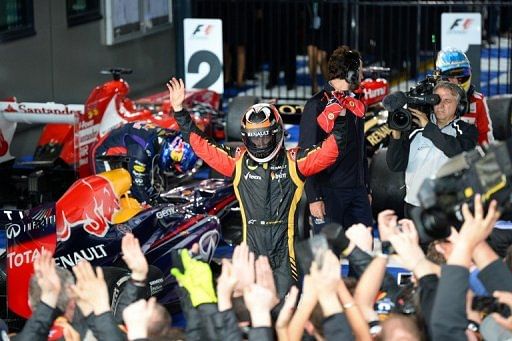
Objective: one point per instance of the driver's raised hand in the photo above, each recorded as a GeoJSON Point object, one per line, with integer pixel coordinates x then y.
{"type": "Point", "coordinates": [176, 93]}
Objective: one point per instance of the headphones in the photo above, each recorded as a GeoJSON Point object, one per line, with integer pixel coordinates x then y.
{"type": "Point", "coordinates": [353, 64]}
{"type": "Point", "coordinates": [463, 105]}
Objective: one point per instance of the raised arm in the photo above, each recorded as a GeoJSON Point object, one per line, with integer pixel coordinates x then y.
{"type": "Point", "coordinates": [219, 157]}
{"type": "Point", "coordinates": [317, 158]}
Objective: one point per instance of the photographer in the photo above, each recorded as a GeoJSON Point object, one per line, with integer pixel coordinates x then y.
{"type": "Point", "coordinates": [421, 152]}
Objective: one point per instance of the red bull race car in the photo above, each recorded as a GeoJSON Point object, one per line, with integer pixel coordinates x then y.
{"type": "Point", "coordinates": [90, 219]}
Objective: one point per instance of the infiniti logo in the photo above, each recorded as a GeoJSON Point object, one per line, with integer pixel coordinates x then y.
{"type": "Point", "coordinates": [12, 231]}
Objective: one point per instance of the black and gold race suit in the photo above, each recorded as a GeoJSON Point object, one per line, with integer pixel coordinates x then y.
{"type": "Point", "coordinates": [268, 193]}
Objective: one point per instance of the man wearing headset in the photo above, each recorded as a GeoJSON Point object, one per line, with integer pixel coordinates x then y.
{"type": "Point", "coordinates": [340, 193]}
{"type": "Point", "coordinates": [422, 152]}
{"type": "Point", "coordinates": [268, 179]}
{"type": "Point", "coordinates": [453, 66]}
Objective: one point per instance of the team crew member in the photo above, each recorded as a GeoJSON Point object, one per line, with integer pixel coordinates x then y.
{"type": "Point", "coordinates": [268, 179]}
{"type": "Point", "coordinates": [341, 192]}
{"type": "Point", "coordinates": [454, 67]}
{"type": "Point", "coordinates": [147, 146]}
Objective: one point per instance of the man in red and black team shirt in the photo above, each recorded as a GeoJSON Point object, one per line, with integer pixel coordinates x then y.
{"type": "Point", "coordinates": [340, 193]}
{"type": "Point", "coordinates": [268, 179]}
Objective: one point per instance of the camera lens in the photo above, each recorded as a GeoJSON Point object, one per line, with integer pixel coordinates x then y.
{"type": "Point", "coordinates": [400, 120]}
{"type": "Point", "coordinates": [436, 224]}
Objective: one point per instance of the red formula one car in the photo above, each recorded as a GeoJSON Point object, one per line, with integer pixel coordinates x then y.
{"type": "Point", "coordinates": [63, 147]}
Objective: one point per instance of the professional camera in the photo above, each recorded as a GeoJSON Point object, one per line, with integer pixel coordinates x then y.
{"type": "Point", "coordinates": [419, 97]}
{"type": "Point", "coordinates": [489, 305]}
{"type": "Point", "coordinates": [485, 171]}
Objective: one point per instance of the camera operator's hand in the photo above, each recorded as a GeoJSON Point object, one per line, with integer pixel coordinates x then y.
{"type": "Point", "coordinates": [409, 252]}
{"type": "Point", "coordinates": [317, 209]}
{"type": "Point", "coordinates": [387, 222]}
{"type": "Point", "coordinates": [361, 235]}
{"type": "Point", "coordinates": [478, 226]}
{"type": "Point", "coordinates": [506, 298]}
{"type": "Point", "coordinates": [420, 118]}
{"type": "Point", "coordinates": [475, 229]}
{"type": "Point", "coordinates": [407, 226]}
{"type": "Point", "coordinates": [176, 93]}
{"type": "Point", "coordinates": [396, 134]}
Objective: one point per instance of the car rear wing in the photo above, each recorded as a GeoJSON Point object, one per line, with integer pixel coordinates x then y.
{"type": "Point", "coordinates": [12, 112]}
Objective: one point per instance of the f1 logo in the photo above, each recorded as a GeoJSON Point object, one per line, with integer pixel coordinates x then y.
{"type": "Point", "coordinates": [466, 23]}
{"type": "Point", "coordinates": [199, 28]}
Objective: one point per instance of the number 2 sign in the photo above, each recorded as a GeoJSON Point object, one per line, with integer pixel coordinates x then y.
{"type": "Point", "coordinates": [203, 54]}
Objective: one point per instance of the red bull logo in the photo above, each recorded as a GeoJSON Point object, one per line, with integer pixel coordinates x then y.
{"type": "Point", "coordinates": [91, 202]}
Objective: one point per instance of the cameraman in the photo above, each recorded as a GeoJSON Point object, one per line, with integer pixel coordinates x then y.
{"type": "Point", "coordinates": [421, 152]}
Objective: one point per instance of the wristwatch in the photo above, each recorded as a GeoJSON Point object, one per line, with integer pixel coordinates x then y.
{"type": "Point", "coordinates": [473, 326]}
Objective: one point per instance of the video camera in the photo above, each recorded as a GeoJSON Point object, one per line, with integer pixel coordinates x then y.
{"type": "Point", "coordinates": [486, 171]}
{"type": "Point", "coordinates": [420, 97]}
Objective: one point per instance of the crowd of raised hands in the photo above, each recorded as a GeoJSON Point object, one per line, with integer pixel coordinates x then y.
{"type": "Point", "coordinates": [242, 302]}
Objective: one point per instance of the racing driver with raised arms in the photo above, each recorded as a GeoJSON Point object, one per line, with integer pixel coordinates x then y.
{"type": "Point", "coordinates": [268, 179]}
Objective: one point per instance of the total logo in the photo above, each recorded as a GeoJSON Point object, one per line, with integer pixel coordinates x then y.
{"type": "Point", "coordinates": [460, 25]}
{"type": "Point", "coordinates": [248, 176]}
{"type": "Point", "coordinates": [17, 259]}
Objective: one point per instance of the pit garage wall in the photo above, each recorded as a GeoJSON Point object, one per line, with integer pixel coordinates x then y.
{"type": "Point", "coordinates": [62, 63]}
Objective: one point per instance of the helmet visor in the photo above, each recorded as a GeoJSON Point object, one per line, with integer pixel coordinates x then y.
{"type": "Point", "coordinates": [260, 141]}
{"type": "Point", "coordinates": [462, 74]}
